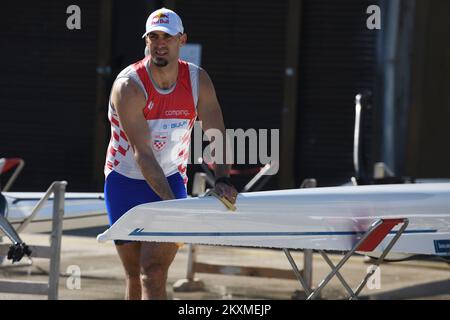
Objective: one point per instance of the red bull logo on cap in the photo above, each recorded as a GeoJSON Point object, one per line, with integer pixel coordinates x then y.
{"type": "Point", "coordinates": [160, 18]}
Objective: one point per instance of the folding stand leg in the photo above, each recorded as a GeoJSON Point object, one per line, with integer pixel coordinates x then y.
{"type": "Point", "coordinates": [331, 275]}
{"type": "Point", "coordinates": [371, 239]}
{"type": "Point", "coordinates": [338, 275]}
{"type": "Point", "coordinates": [297, 272]}
{"type": "Point", "coordinates": [383, 255]}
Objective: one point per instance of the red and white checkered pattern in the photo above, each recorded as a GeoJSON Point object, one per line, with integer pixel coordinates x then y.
{"type": "Point", "coordinates": [184, 151]}
{"type": "Point", "coordinates": [159, 145]}
{"type": "Point", "coordinates": [118, 145]}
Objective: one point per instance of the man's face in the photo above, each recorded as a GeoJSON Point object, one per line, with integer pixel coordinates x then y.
{"type": "Point", "coordinates": [164, 48]}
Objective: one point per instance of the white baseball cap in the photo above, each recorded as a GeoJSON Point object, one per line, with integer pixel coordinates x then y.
{"type": "Point", "coordinates": [164, 20]}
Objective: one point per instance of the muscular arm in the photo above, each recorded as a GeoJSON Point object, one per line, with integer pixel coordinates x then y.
{"type": "Point", "coordinates": [210, 115]}
{"type": "Point", "coordinates": [129, 102]}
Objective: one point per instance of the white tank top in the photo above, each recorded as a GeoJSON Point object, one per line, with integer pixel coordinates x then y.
{"type": "Point", "coordinates": [170, 116]}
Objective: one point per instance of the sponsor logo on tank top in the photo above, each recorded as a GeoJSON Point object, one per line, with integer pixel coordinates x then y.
{"type": "Point", "coordinates": [177, 113]}
{"type": "Point", "coordinates": [175, 125]}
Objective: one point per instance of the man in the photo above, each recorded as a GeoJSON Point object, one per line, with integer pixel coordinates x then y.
{"type": "Point", "coordinates": [153, 106]}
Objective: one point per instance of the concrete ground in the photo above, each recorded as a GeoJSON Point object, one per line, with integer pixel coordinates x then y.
{"type": "Point", "coordinates": [102, 275]}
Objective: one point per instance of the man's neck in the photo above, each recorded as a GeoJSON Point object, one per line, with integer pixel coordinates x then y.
{"type": "Point", "coordinates": [164, 77]}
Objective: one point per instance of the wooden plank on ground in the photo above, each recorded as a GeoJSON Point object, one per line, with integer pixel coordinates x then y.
{"type": "Point", "coordinates": [24, 287]}
{"type": "Point", "coordinates": [244, 271]}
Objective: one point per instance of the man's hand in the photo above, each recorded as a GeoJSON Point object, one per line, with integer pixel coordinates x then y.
{"type": "Point", "coordinates": [227, 191]}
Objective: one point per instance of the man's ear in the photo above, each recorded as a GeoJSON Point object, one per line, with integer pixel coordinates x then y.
{"type": "Point", "coordinates": [183, 39]}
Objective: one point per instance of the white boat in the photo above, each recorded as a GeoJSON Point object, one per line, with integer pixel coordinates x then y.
{"type": "Point", "coordinates": [321, 218]}
{"type": "Point", "coordinates": [81, 210]}
{"type": "Point", "coordinates": [30, 212]}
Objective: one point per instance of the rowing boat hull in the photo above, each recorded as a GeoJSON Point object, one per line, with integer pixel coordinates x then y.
{"type": "Point", "coordinates": [320, 218]}
{"type": "Point", "coordinates": [81, 210]}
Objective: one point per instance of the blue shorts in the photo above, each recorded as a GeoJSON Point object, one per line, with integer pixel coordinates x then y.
{"type": "Point", "coordinates": [122, 194]}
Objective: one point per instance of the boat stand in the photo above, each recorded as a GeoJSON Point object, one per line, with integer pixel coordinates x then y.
{"type": "Point", "coordinates": [193, 284]}
{"type": "Point", "coordinates": [52, 252]}
{"type": "Point", "coordinates": [368, 243]}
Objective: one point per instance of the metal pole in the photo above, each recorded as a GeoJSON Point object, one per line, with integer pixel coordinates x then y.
{"type": "Point", "coordinates": [248, 187]}
{"type": "Point", "coordinates": [55, 240]}
{"type": "Point", "coordinates": [297, 272]}
{"type": "Point", "coordinates": [308, 253]}
{"type": "Point", "coordinates": [290, 94]}
{"type": "Point", "coordinates": [14, 175]}
{"type": "Point", "coordinates": [192, 258]}
{"type": "Point", "coordinates": [307, 267]}
{"type": "Point", "coordinates": [36, 208]}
